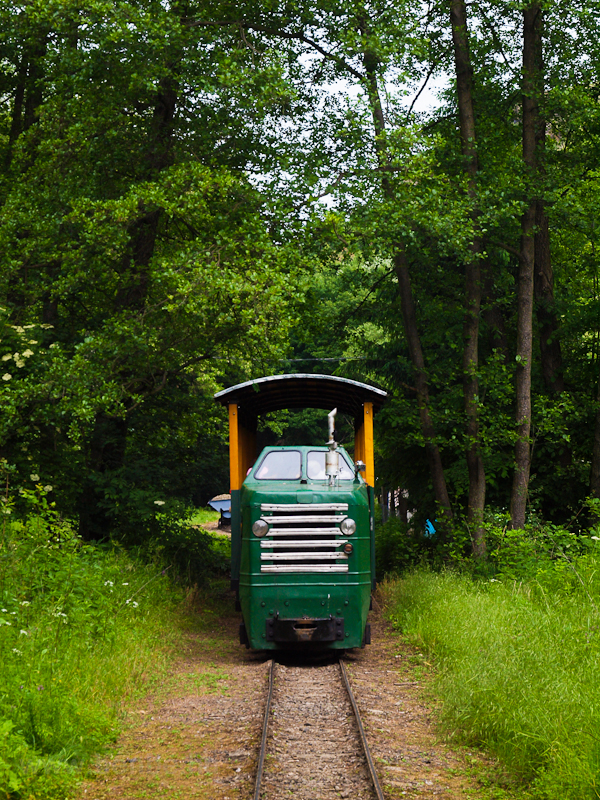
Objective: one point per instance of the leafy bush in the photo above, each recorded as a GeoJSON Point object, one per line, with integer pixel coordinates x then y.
{"type": "Point", "coordinates": [162, 532]}
{"type": "Point", "coordinates": [190, 552]}
{"type": "Point", "coordinates": [518, 661]}
{"type": "Point", "coordinates": [536, 551]}
{"type": "Point", "coordinates": [81, 628]}
{"type": "Point", "coordinates": [397, 548]}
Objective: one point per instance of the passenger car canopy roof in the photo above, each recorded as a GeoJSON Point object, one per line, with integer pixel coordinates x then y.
{"type": "Point", "coordinates": [302, 391]}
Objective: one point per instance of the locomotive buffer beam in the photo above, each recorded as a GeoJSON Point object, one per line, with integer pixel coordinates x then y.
{"type": "Point", "coordinates": [328, 629]}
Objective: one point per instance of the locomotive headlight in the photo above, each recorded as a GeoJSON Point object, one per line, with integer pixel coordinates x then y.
{"type": "Point", "coordinates": [347, 526]}
{"type": "Point", "coordinates": [260, 527]}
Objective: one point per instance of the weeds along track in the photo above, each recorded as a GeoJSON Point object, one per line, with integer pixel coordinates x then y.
{"type": "Point", "coordinates": [313, 743]}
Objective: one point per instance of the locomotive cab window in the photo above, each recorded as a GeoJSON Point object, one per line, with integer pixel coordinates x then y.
{"type": "Point", "coordinates": [280, 465]}
{"type": "Point", "coordinates": [315, 467]}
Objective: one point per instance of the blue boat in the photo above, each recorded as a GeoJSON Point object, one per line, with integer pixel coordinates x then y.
{"type": "Point", "coordinates": [222, 503]}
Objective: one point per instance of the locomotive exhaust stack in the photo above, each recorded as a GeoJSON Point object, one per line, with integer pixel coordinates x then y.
{"type": "Point", "coordinates": [332, 457]}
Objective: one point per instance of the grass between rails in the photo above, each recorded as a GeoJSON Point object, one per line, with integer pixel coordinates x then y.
{"type": "Point", "coordinates": [83, 630]}
{"type": "Point", "coordinates": [518, 668]}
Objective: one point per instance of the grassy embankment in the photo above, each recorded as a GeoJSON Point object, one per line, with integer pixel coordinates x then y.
{"type": "Point", "coordinates": [83, 630]}
{"type": "Point", "coordinates": [518, 661]}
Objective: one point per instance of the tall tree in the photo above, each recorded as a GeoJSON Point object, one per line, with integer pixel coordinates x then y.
{"type": "Point", "coordinates": [464, 90]}
{"type": "Point", "coordinates": [532, 85]}
{"type": "Point", "coordinates": [136, 254]}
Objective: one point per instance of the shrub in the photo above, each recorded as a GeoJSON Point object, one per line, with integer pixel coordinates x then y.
{"type": "Point", "coordinates": [535, 551]}
{"type": "Point", "coordinates": [397, 548]}
{"type": "Point", "coordinates": [81, 628]}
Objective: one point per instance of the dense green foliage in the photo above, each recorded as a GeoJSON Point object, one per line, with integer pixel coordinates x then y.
{"type": "Point", "coordinates": [517, 658]}
{"type": "Point", "coordinates": [194, 194]}
{"type": "Point", "coordinates": [82, 630]}
{"type": "Point", "coordinates": [137, 264]}
{"type": "Point", "coordinates": [163, 233]}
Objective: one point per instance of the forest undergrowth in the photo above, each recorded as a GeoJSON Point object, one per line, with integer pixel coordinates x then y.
{"type": "Point", "coordinates": [83, 630]}
{"type": "Point", "coordinates": [517, 656]}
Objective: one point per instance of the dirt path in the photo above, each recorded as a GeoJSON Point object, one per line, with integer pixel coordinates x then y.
{"type": "Point", "coordinates": [197, 738]}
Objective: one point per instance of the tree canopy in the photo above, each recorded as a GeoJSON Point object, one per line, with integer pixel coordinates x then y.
{"type": "Point", "coordinates": [196, 194]}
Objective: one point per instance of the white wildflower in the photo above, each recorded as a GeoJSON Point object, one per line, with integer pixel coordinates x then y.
{"type": "Point", "coordinates": [18, 652]}
{"type": "Point", "coordinates": [159, 502]}
{"type": "Point", "coordinates": [31, 341]}
{"type": "Point", "coordinates": [7, 357]}
{"type": "Point", "coordinates": [595, 538]}
{"type": "Point", "coordinates": [18, 328]}
{"type": "Point", "coordinates": [35, 478]}
{"type": "Point", "coordinates": [27, 353]}
{"type": "Point", "coordinates": [48, 488]}
{"type": "Point", "coordinates": [7, 376]}
{"type": "Point", "coordinates": [4, 610]}
{"type": "Point", "coordinates": [19, 362]}
{"type": "Point", "coordinates": [134, 604]}
{"type": "Point", "coordinates": [25, 603]}
{"type": "Point", "coordinates": [23, 633]}
{"type": "Point", "coordinates": [124, 584]}
{"type": "Point", "coordinates": [108, 583]}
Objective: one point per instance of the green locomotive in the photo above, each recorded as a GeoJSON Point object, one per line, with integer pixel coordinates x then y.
{"type": "Point", "coordinates": [302, 517]}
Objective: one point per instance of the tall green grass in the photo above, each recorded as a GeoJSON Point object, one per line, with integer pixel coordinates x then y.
{"type": "Point", "coordinates": [518, 667]}
{"type": "Point", "coordinates": [82, 629]}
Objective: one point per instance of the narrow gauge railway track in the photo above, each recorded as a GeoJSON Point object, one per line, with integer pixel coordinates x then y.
{"type": "Point", "coordinates": [315, 738]}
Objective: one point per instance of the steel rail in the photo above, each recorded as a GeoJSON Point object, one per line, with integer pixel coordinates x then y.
{"type": "Point", "coordinates": [361, 730]}
{"type": "Point", "coordinates": [263, 742]}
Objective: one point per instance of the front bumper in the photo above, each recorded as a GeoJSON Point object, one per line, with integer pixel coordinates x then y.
{"type": "Point", "coordinates": [330, 629]}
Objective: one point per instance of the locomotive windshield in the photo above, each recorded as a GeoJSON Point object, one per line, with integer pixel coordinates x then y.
{"type": "Point", "coordinates": [315, 467]}
{"type": "Point", "coordinates": [281, 465]}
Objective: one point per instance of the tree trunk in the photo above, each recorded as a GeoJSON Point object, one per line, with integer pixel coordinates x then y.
{"type": "Point", "coordinates": [532, 39]}
{"type": "Point", "coordinates": [464, 89]}
{"type": "Point", "coordinates": [409, 316]}
{"type": "Point", "coordinates": [550, 350]}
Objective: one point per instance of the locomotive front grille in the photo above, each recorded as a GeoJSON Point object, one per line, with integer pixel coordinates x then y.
{"type": "Point", "coordinates": [304, 537]}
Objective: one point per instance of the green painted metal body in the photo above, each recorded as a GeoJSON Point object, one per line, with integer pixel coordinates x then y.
{"type": "Point", "coordinates": [299, 596]}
